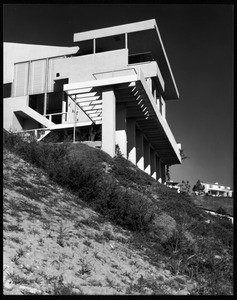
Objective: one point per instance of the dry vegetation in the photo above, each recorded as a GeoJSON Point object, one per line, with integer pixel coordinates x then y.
{"type": "Point", "coordinates": [57, 244]}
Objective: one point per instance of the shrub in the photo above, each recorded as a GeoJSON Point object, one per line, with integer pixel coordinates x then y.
{"type": "Point", "coordinates": [221, 211]}
{"type": "Point", "coordinates": [132, 199]}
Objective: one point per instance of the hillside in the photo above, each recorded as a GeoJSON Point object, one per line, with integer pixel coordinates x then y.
{"type": "Point", "coordinates": [214, 203]}
{"type": "Point", "coordinates": [109, 230]}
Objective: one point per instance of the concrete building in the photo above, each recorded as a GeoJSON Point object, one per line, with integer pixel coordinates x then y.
{"type": "Point", "coordinates": [216, 190]}
{"type": "Point", "coordinates": [114, 81]}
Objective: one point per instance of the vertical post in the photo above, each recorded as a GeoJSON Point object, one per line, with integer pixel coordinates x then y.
{"type": "Point", "coordinates": [46, 85]}
{"type": "Point", "coordinates": [121, 128]}
{"type": "Point", "coordinates": [94, 46]}
{"type": "Point", "coordinates": [50, 119]}
{"type": "Point", "coordinates": [28, 81]}
{"type": "Point", "coordinates": [147, 166]}
{"type": "Point", "coordinates": [140, 149]}
{"type": "Point", "coordinates": [153, 163]}
{"type": "Point", "coordinates": [126, 40]}
{"type": "Point", "coordinates": [74, 128]}
{"type": "Point", "coordinates": [108, 121]}
{"type": "Point", "coordinates": [131, 135]}
{"type": "Point", "coordinates": [158, 169]}
{"type": "Point", "coordinates": [163, 176]}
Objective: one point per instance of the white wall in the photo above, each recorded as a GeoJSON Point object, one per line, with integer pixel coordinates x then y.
{"type": "Point", "coordinates": [16, 52]}
{"type": "Point", "coordinates": [9, 106]}
{"type": "Point", "coordinates": [82, 68]}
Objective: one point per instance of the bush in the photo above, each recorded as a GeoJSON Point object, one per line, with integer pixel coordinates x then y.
{"type": "Point", "coordinates": [132, 199]}
{"type": "Point", "coordinates": [221, 211]}
{"type": "Point", "coordinates": [86, 177]}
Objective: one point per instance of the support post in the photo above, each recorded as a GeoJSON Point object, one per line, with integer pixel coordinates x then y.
{"type": "Point", "coordinates": [153, 163]}
{"type": "Point", "coordinates": [140, 149]}
{"type": "Point", "coordinates": [94, 46]}
{"type": "Point", "coordinates": [158, 169]}
{"type": "Point", "coordinates": [121, 128]}
{"type": "Point", "coordinates": [46, 85]}
{"type": "Point", "coordinates": [147, 164]}
{"type": "Point", "coordinates": [131, 136]}
{"type": "Point", "coordinates": [108, 121]}
{"type": "Point", "coordinates": [163, 176]}
{"type": "Point", "coordinates": [74, 127]}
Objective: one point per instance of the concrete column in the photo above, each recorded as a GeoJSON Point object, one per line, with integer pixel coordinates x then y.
{"type": "Point", "coordinates": [147, 165]}
{"type": "Point", "coordinates": [131, 138]}
{"type": "Point", "coordinates": [140, 149]}
{"type": "Point", "coordinates": [108, 121]}
{"type": "Point", "coordinates": [121, 128]}
{"type": "Point", "coordinates": [153, 163]}
{"type": "Point", "coordinates": [158, 169]}
{"type": "Point", "coordinates": [64, 107]}
{"type": "Point", "coordinates": [163, 176]}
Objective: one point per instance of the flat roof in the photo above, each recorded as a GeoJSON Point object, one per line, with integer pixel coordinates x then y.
{"type": "Point", "coordinates": [114, 30]}
{"type": "Point", "coordinates": [153, 40]}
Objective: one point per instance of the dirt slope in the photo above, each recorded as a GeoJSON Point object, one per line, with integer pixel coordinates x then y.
{"type": "Point", "coordinates": [55, 244]}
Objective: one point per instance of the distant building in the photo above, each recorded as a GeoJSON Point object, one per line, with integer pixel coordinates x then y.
{"type": "Point", "coordinates": [173, 185]}
{"type": "Point", "coordinates": [215, 189]}
{"type": "Point", "coordinates": [115, 81]}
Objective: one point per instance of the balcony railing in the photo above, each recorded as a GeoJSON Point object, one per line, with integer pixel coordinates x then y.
{"type": "Point", "coordinates": [50, 116]}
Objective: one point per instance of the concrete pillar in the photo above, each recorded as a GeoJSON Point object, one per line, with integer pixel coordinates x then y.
{"type": "Point", "coordinates": [131, 138]}
{"type": "Point", "coordinates": [153, 163]}
{"type": "Point", "coordinates": [108, 121]}
{"type": "Point", "coordinates": [163, 176]}
{"type": "Point", "coordinates": [121, 128]}
{"type": "Point", "coordinates": [147, 165]}
{"type": "Point", "coordinates": [158, 169]}
{"type": "Point", "coordinates": [140, 149]}
{"type": "Point", "coordinates": [64, 107]}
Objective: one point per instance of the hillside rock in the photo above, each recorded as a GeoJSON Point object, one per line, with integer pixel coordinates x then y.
{"type": "Point", "coordinates": [163, 227]}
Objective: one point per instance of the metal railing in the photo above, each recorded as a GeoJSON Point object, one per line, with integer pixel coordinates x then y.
{"type": "Point", "coordinates": [49, 116]}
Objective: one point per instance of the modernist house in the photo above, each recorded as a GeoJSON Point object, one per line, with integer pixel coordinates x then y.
{"type": "Point", "coordinates": [214, 189]}
{"type": "Point", "coordinates": [110, 88]}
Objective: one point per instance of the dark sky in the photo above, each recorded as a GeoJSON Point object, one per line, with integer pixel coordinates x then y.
{"type": "Point", "coordinates": [199, 44]}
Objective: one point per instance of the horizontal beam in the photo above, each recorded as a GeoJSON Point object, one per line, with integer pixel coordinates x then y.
{"type": "Point", "coordinates": [100, 82]}
{"type": "Point", "coordinates": [114, 30]}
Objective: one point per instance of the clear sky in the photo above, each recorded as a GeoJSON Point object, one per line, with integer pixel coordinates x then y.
{"type": "Point", "coordinates": [198, 39]}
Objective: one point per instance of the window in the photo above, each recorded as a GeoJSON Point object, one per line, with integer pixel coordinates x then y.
{"type": "Point", "coordinates": [20, 82]}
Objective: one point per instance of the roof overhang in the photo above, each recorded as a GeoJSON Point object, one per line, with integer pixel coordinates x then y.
{"type": "Point", "coordinates": [141, 35]}
{"type": "Point", "coordinates": [133, 90]}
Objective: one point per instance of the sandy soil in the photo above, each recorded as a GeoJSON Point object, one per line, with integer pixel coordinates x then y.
{"type": "Point", "coordinates": [56, 244]}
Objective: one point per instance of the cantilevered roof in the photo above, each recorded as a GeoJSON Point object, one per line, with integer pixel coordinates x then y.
{"type": "Point", "coordinates": [138, 38]}
{"type": "Point", "coordinates": [132, 90]}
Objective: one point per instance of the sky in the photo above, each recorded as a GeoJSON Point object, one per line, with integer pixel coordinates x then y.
{"type": "Point", "coordinates": [198, 39]}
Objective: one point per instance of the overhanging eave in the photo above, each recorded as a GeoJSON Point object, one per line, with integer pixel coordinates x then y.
{"type": "Point", "coordinates": [147, 115]}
